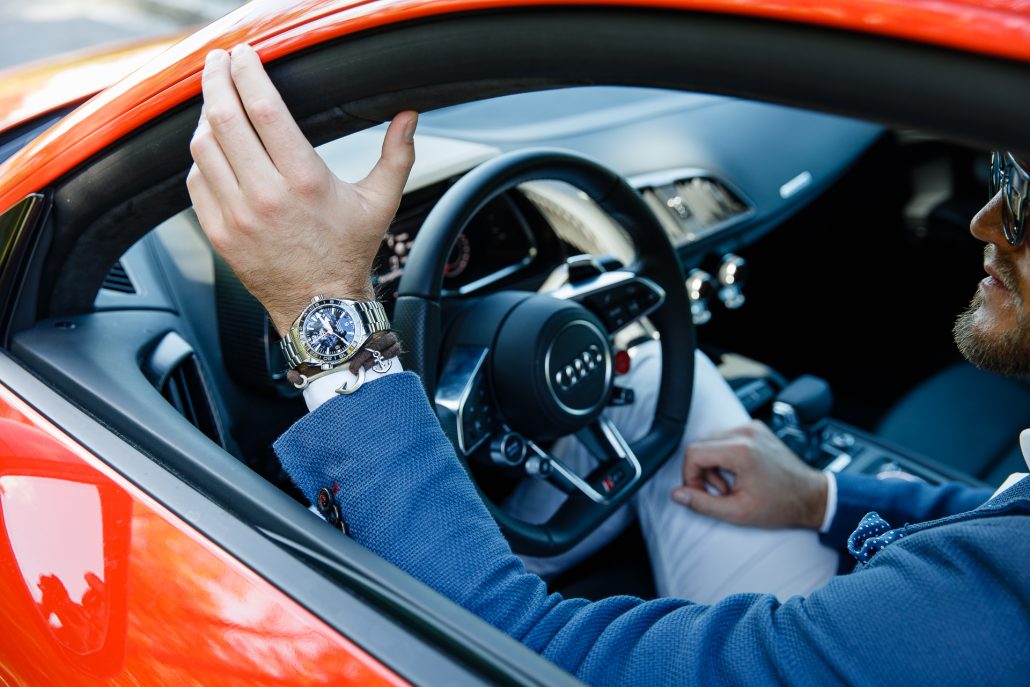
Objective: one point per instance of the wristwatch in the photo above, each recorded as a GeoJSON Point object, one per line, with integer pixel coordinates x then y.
{"type": "Point", "coordinates": [329, 332]}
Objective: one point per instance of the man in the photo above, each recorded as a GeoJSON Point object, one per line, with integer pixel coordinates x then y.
{"type": "Point", "coordinates": [943, 601]}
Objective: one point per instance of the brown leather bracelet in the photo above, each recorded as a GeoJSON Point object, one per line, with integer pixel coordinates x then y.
{"type": "Point", "coordinates": [387, 345]}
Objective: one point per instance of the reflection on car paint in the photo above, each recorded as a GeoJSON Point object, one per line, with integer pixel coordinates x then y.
{"type": "Point", "coordinates": [122, 590]}
{"type": "Point", "coordinates": [65, 578]}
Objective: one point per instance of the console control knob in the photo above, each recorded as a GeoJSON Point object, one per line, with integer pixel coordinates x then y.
{"type": "Point", "coordinates": [508, 450]}
{"type": "Point", "coordinates": [538, 467]}
{"type": "Point", "coordinates": [842, 440]}
{"type": "Point", "coordinates": [700, 288]}
{"type": "Point", "coordinates": [732, 275]}
{"type": "Point", "coordinates": [891, 470]}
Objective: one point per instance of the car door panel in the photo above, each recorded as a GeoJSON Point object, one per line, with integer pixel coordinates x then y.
{"type": "Point", "coordinates": [102, 582]}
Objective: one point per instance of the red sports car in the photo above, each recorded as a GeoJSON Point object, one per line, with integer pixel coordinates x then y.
{"type": "Point", "coordinates": [149, 534]}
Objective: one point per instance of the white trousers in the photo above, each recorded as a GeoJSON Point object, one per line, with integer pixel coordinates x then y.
{"type": "Point", "coordinates": [692, 556]}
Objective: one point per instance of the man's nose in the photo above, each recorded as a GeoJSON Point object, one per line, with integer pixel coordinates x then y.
{"type": "Point", "coordinates": [986, 225]}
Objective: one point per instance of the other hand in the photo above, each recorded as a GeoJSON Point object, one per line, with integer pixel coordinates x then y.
{"type": "Point", "coordinates": [772, 487]}
{"type": "Point", "coordinates": [287, 225]}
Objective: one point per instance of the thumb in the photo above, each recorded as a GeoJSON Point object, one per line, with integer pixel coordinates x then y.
{"type": "Point", "coordinates": [398, 155]}
{"type": "Point", "coordinates": [700, 501]}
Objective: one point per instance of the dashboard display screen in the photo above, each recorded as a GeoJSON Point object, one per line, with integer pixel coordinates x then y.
{"type": "Point", "coordinates": [496, 243]}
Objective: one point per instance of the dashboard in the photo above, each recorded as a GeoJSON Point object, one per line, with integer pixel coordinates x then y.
{"type": "Point", "coordinates": [717, 172]}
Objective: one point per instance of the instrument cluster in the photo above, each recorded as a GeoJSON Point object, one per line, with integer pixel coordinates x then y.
{"type": "Point", "coordinates": [497, 243]}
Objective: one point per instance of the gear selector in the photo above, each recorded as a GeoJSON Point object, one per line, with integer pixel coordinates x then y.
{"type": "Point", "coordinates": [799, 415]}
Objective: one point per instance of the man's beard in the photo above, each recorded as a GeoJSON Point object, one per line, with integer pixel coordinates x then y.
{"type": "Point", "coordinates": [1007, 353]}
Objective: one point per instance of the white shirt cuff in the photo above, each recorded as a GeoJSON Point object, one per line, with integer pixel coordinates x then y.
{"type": "Point", "coordinates": [324, 388]}
{"type": "Point", "coordinates": [831, 502]}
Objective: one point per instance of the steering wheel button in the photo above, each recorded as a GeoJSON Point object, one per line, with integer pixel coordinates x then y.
{"type": "Point", "coordinates": [622, 362]}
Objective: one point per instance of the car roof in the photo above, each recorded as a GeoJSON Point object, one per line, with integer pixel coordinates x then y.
{"type": "Point", "coordinates": [282, 27]}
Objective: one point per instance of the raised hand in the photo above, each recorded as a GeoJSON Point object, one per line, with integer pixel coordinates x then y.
{"type": "Point", "coordinates": [287, 225]}
{"type": "Point", "coordinates": [771, 486]}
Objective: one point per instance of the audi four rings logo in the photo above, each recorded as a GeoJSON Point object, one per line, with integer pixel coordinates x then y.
{"type": "Point", "coordinates": [579, 368]}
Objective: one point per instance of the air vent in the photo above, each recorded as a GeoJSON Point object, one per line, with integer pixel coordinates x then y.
{"type": "Point", "coordinates": [692, 204]}
{"type": "Point", "coordinates": [184, 389]}
{"type": "Point", "coordinates": [118, 280]}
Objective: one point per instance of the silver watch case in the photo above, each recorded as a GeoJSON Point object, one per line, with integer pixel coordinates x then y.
{"type": "Point", "coordinates": [369, 318]}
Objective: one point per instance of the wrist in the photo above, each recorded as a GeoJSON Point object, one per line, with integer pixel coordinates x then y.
{"type": "Point", "coordinates": [284, 315]}
{"type": "Point", "coordinates": [815, 501]}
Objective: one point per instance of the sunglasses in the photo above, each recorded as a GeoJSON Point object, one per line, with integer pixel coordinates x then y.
{"type": "Point", "coordinates": [1010, 177]}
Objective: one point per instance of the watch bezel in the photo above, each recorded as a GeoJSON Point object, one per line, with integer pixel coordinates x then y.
{"type": "Point", "coordinates": [313, 357]}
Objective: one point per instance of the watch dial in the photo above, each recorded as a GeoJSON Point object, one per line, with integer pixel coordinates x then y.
{"type": "Point", "coordinates": [329, 330]}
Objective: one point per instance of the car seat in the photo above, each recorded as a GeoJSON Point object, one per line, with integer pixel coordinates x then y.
{"type": "Point", "coordinates": [965, 418]}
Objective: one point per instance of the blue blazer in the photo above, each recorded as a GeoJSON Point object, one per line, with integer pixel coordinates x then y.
{"type": "Point", "coordinates": [947, 604]}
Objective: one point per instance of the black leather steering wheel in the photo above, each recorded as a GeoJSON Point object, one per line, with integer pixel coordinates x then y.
{"type": "Point", "coordinates": [519, 368]}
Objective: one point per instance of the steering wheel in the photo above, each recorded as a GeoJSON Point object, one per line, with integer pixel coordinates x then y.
{"type": "Point", "coordinates": [520, 368]}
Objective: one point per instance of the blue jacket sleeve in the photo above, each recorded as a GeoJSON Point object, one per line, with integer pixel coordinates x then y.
{"type": "Point", "coordinates": [897, 501]}
{"type": "Point", "coordinates": [406, 497]}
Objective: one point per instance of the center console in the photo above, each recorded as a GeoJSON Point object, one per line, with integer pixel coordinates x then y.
{"type": "Point", "coordinates": [800, 418]}
{"type": "Point", "coordinates": [847, 449]}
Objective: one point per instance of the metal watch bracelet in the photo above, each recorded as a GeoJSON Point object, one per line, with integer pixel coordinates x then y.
{"type": "Point", "coordinates": [375, 320]}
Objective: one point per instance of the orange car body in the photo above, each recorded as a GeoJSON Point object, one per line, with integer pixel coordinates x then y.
{"type": "Point", "coordinates": [191, 611]}
{"type": "Point", "coordinates": [30, 91]}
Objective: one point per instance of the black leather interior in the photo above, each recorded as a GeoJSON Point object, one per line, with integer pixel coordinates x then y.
{"type": "Point", "coordinates": [966, 418]}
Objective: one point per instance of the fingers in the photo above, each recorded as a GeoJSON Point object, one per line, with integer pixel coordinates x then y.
{"type": "Point", "coordinates": [730, 450]}
{"type": "Point", "coordinates": [286, 145]}
{"type": "Point", "coordinates": [205, 204]}
{"type": "Point", "coordinates": [232, 129]}
{"type": "Point", "coordinates": [715, 478]}
{"type": "Point", "coordinates": [700, 501]}
{"type": "Point", "coordinates": [210, 160]}
{"type": "Point", "coordinates": [388, 177]}
{"type": "Point", "coordinates": [703, 457]}
{"type": "Point", "coordinates": [693, 471]}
